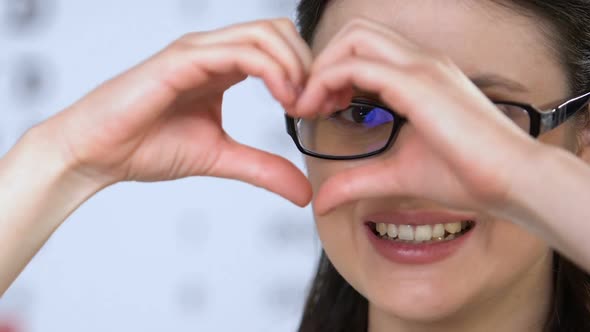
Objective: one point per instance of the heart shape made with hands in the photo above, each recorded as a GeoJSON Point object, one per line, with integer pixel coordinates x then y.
{"type": "Point", "coordinates": [162, 118]}
{"type": "Point", "coordinates": [447, 152]}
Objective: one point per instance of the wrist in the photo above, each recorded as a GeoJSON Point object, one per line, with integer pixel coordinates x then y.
{"type": "Point", "coordinates": [535, 184]}
{"type": "Point", "coordinates": [38, 191]}
{"type": "Point", "coordinates": [551, 200]}
{"type": "Point", "coordinates": [40, 159]}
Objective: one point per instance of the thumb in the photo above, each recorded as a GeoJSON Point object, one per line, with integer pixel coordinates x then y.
{"type": "Point", "coordinates": [376, 179]}
{"type": "Point", "coordinates": [263, 169]}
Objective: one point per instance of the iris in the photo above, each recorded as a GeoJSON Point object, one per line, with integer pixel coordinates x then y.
{"type": "Point", "coordinates": [369, 117]}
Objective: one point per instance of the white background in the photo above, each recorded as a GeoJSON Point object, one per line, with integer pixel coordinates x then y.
{"type": "Point", "coordinates": [197, 254]}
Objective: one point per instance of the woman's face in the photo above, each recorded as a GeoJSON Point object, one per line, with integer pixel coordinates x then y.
{"type": "Point", "coordinates": [499, 266]}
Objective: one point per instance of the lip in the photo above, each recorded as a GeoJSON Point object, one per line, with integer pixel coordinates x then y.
{"type": "Point", "coordinates": [427, 253]}
{"type": "Point", "coordinates": [417, 217]}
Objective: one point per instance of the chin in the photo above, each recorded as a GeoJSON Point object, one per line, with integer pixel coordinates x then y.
{"type": "Point", "coordinates": [424, 301]}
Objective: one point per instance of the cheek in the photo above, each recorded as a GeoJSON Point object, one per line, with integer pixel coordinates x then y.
{"type": "Point", "coordinates": [342, 245]}
{"type": "Point", "coordinates": [319, 170]}
{"type": "Point", "coordinates": [336, 230]}
{"type": "Point", "coordinates": [512, 263]}
{"type": "Point", "coordinates": [513, 251]}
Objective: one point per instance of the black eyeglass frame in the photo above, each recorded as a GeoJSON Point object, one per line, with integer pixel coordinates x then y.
{"type": "Point", "coordinates": [544, 121]}
{"type": "Point", "coordinates": [292, 131]}
{"type": "Point", "coordinates": [541, 121]}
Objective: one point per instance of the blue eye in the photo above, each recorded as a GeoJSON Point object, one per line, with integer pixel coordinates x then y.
{"type": "Point", "coordinates": [369, 117]}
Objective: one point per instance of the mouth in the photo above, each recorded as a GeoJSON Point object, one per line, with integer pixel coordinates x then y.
{"type": "Point", "coordinates": [421, 234]}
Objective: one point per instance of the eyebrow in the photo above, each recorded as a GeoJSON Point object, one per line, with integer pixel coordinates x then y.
{"type": "Point", "coordinates": [483, 81]}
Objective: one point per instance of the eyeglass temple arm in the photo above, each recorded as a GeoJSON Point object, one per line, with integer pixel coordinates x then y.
{"type": "Point", "coordinates": [289, 125]}
{"type": "Point", "coordinates": [563, 112]}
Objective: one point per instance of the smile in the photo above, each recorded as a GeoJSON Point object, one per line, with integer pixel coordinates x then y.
{"type": "Point", "coordinates": [421, 234]}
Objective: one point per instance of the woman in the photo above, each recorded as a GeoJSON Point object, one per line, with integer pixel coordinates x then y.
{"type": "Point", "coordinates": [504, 278]}
{"type": "Point", "coordinates": [424, 106]}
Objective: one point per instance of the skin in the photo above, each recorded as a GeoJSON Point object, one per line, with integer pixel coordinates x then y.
{"type": "Point", "coordinates": [504, 268]}
{"type": "Point", "coordinates": [162, 122]}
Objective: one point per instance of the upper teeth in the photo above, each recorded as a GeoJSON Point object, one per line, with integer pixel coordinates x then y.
{"type": "Point", "coordinates": [419, 232]}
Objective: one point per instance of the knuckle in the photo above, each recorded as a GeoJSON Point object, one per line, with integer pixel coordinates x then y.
{"type": "Point", "coordinates": [434, 66]}
{"type": "Point", "coordinates": [182, 43]}
{"type": "Point", "coordinates": [263, 28]}
{"type": "Point", "coordinates": [419, 69]}
{"type": "Point", "coordinates": [358, 36]}
{"type": "Point", "coordinates": [441, 61]}
{"type": "Point", "coordinates": [286, 22]}
{"type": "Point", "coordinates": [356, 23]}
{"type": "Point", "coordinates": [177, 46]}
{"type": "Point", "coordinates": [442, 67]}
{"type": "Point", "coordinates": [189, 37]}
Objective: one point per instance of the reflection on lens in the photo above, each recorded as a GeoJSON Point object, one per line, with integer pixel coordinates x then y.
{"type": "Point", "coordinates": [357, 130]}
{"type": "Point", "coordinates": [517, 114]}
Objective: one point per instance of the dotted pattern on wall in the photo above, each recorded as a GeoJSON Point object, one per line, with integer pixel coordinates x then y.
{"type": "Point", "coordinates": [197, 254]}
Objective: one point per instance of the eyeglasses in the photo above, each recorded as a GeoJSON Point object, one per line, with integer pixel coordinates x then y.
{"type": "Point", "coordinates": [367, 128]}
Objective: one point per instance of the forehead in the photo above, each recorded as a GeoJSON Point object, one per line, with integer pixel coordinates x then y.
{"type": "Point", "coordinates": [479, 36]}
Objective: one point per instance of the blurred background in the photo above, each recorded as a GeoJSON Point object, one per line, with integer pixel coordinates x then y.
{"type": "Point", "coordinates": [197, 254]}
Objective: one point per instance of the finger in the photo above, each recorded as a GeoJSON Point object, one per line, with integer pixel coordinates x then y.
{"type": "Point", "coordinates": [159, 81]}
{"type": "Point", "coordinates": [370, 40]}
{"type": "Point", "coordinates": [290, 32]}
{"type": "Point", "coordinates": [198, 64]}
{"type": "Point", "coordinates": [343, 98]}
{"type": "Point", "coordinates": [366, 75]}
{"type": "Point", "coordinates": [265, 35]}
{"type": "Point", "coordinates": [443, 109]}
{"type": "Point", "coordinates": [378, 179]}
{"type": "Point", "coordinates": [263, 169]}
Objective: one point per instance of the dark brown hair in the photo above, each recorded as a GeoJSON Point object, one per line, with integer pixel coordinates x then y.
{"type": "Point", "coordinates": [333, 305]}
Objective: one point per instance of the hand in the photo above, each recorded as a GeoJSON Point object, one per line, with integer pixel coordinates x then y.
{"type": "Point", "coordinates": [161, 120]}
{"type": "Point", "coordinates": [451, 120]}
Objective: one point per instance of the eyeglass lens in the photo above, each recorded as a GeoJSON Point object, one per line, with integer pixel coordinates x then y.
{"type": "Point", "coordinates": [357, 130]}
{"type": "Point", "coordinates": [517, 114]}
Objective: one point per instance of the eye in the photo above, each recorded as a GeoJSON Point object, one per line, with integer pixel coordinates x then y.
{"type": "Point", "coordinates": [369, 117]}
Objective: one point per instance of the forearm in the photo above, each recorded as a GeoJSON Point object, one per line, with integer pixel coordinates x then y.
{"type": "Point", "coordinates": [37, 193]}
{"type": "Point", "coordinates": [553, 199]}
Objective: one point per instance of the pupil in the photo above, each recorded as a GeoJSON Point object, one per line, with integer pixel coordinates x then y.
{"type": "Point", "coordinates": [363, 115]}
